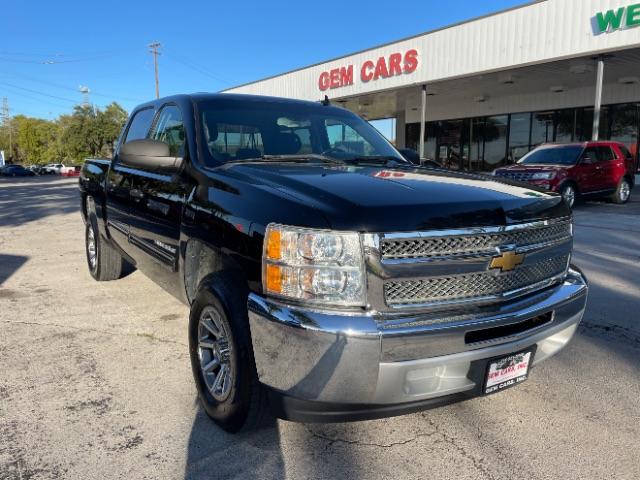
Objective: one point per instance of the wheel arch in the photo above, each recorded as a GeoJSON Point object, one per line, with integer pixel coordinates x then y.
{"type": "Point", "coordinates": [569, 181]}
{"type": "Point", "coordinates": [631, 179]}
{"type": "Point", "coordinates": [207, 267]}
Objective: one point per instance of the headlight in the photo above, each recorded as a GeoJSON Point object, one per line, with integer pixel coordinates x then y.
{"type": "Point", "coordinates": [543, 175]}
{"type": "Point", "coordinates": [316, 266]}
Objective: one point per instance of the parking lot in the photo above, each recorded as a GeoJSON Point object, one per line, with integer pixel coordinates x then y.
{"type": "Point", "coordinates": [95, 380]}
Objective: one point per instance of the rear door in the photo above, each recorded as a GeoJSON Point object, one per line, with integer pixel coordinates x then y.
{"type": "Point", "coordinates": [586, 171]}
{"type": "Point", "coordinates": [120, 182]}
{"type": "Point", "coordinates": [157, 201]}
{"type": "Point", "coordinates": [607, 168]}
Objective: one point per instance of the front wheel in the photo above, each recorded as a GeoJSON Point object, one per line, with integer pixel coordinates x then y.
{"type": "Point", "coordinates": [622, 193]}
{"type": "Point", "coordinates": [222, 362]}
{"type": "Point", "coordinates": [569, 194]}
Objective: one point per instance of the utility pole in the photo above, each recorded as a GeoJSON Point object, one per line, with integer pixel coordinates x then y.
{"type": "Point", "coordinates": [6, 121]}
{"type": "Point", "coordinates": [154, 51]}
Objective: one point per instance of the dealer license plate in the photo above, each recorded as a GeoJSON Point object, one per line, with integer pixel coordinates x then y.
{"type": "Point", "coordinates": [507, 371]}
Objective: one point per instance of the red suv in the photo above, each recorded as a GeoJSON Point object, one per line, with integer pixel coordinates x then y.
{"type": "Point", "coordinates": [577, 169]}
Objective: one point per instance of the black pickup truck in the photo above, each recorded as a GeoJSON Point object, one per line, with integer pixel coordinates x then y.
{"type": "Point", "coordinates": [328, 278]}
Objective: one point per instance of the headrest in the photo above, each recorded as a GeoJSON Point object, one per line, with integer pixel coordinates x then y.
{"type": "Point", "coordinates": [243, 153]}
{"type": "Point", "coordinates": [286, 144]}
{"type": "Point", "coordinates": [210, 126]}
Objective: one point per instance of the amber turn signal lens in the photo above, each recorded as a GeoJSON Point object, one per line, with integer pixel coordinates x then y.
{"type": "Point", "coordinates": [274, 278]}
{"type": "Point", "coordinates": [273, 245]}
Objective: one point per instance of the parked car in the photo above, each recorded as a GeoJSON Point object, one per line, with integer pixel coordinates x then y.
{"type": "Point", "coordinates": [329, 284]}
{"type": "Point", "coordinates": [53, 168]}
{"type": "Point", "coordinates": [70, 171]}
{"type": "Point", "coordinates": [15, 171]}
{"type": "Point", "coordinates": [589, 169]}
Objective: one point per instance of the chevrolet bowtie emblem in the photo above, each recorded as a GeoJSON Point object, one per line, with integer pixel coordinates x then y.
{"type": "Point", "coordinates": [506, 261]}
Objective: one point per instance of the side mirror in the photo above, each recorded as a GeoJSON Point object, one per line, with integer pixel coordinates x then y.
{"type": "Point", "coordinates": [149, 154]}
{"type": "Point", "coordinates": [411, 155]}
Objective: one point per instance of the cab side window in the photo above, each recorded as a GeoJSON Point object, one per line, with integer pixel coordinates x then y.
{"type": "Point", "coordinates": [626, 153]}
{"type": "Point", "coordinates": [140, 125]}
{"type": "Point", "coordinates": [591, 153]}
{"type": "Point", "coordinates": [169, 128]}
{"type": "Point", "coordinates": [605, 154]}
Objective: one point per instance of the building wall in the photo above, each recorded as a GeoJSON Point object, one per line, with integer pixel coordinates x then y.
{"type": "Point", "coordinates": [536, 33]}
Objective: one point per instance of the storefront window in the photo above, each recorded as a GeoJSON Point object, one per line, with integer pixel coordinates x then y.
{"type": "Point", "coordinates": [624, 120]}
{"type": "Point", "coordinates": [476, 151]}
{"type": "Point", "coordinates": [450, 151]}
{"type": "Point", "coordinates": [565, 123]}
{"type": "Point", "coordinates": [541, 128]}
{"type": "Point", "coordinates": [519, 132]}
{"type": "Point", "coordinates": [480, 144]}
{"type": "Point", "coordinates": [495, 141]}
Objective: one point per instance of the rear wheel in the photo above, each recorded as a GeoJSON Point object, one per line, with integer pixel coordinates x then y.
{"type": "Point", "coordinates": [222, 362]}
{"type": "Point", "coordinates": [104, 261]}
{"type": "Point", "coordinates": [569, 194]}
{"type": "Point", "coordinates": [622, 193]}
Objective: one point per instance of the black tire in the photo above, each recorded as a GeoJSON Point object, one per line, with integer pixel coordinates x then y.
{"type": "Point", "coordinates": [623, 192]}
{"type": "Point", "coordinates": [245, 406]}
{"type": "Point", "coordinates": [567, 195]}
{"type": "Point", "coordinates": [108, 264]}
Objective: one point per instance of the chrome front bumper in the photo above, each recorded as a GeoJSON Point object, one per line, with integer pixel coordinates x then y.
{"type": "Point", "coordinates": [383, 361]}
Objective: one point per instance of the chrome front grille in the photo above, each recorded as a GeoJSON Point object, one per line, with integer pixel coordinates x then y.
{"type": "Point", "coordinates": [519, 176]}
{"type": "Point", "coordinates": [471, 244]}
{"type": "Point", "coordinates": [444, 268]}
{"type": "Point", "coordinates": [457, 288]}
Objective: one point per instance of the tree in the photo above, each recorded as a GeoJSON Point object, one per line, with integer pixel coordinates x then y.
{"type": "Point", "coordinates": [89, 131]}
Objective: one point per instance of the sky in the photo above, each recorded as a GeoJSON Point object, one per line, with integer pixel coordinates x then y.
{"type": "Point", "coordinates": [48, 50]}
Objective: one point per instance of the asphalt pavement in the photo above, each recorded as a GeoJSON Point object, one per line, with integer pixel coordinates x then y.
{"type": "Point", "coordinates": [95, 381]}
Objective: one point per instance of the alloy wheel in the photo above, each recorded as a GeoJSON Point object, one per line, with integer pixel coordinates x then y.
{"type": "Point", "coordinates": [569, 195]}
{"type": "Point", "coordinates": [215, 353]}
{"type": "Point", "coordinates": [625, 191]}
{"type": "Point", "coordinates": [91, 248]}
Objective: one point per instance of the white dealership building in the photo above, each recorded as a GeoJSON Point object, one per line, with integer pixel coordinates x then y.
{"type": "Point", "coordinates": [484, 92]}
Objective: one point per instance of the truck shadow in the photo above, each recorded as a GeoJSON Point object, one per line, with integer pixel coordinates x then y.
{"type": "Point", "coordinates": [213, 453]}
{"type": "Point", "coordinates": [10, 264]}
{"type": "Point", "coordinates": [24, 200]}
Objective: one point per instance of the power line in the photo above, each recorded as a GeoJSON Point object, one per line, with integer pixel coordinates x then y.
{"type": "Point", "coordinates": [197, 68]}
{"type": "Point", "coordinates": [154, 51]}
{"type": "Point", "coordinates": [39, 100]}
{"type": "Point", "coordinates": [53, 59]}
{"type": "Point", "coordinates": [72, 89]}
{"type": "Point", "coordinates": [38, 93]}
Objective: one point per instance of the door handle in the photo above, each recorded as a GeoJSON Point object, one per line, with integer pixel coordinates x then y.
{"type": "Point", "coordinates": [137, 194]}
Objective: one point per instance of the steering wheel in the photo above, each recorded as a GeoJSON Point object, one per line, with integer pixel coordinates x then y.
{"type": "Point", "coordinates": [335, 150]}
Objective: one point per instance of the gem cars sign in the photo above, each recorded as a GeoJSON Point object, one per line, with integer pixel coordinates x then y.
{"type": "Point", "coordinates": [370, 71]}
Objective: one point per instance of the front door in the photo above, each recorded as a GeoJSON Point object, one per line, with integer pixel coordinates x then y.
{"type": "Point", "coordinates": [587, 170]}
{"type": "Point", "coordinates": [120, 183]}
{"type": "Point", "coordinates": [157, 201]}
{"type": "Point", "coordinates": [606, 171]}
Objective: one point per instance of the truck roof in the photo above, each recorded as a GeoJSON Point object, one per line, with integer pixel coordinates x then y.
{"type": "Point", "coordinates": [204, 96]}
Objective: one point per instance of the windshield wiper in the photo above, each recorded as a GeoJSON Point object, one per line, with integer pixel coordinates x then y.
{"type": "Point", "coordinates": [385, 160]}
{"type": "Point", "coordinates": [291, 158]}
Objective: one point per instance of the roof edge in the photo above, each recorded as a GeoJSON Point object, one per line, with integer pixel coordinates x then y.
{"type": "Point", "coordinates": [428, 32]}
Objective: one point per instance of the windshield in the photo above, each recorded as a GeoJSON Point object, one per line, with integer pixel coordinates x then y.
{"type": "Point", "coordinates": [234, 130]}
{"type": "Point", "coordinates": [556, 155]}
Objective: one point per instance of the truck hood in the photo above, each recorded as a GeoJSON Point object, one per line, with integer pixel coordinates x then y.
{"type": "Point", "coordinates": [379, 199]}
